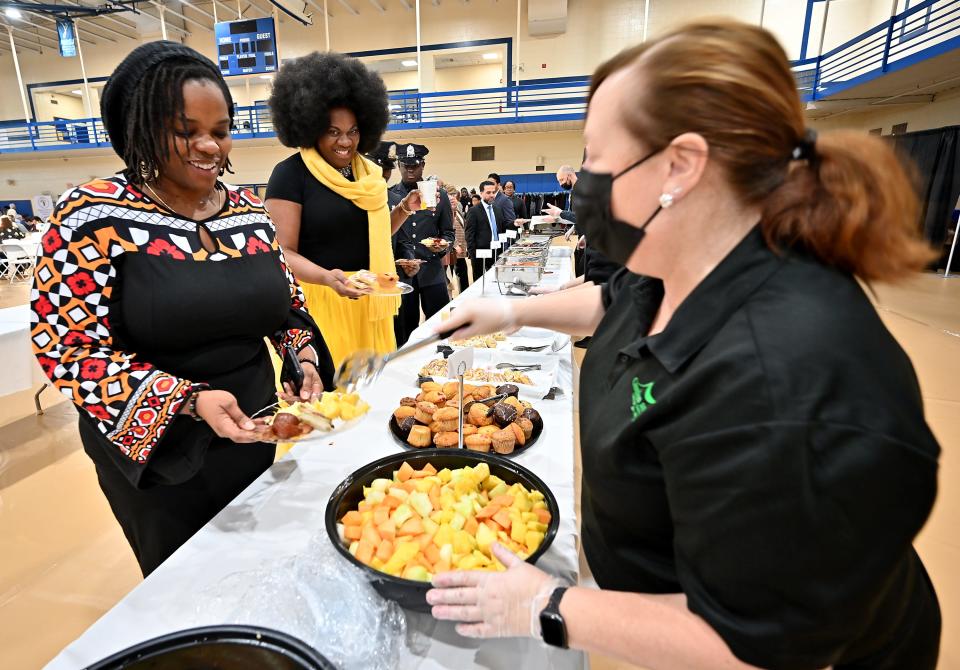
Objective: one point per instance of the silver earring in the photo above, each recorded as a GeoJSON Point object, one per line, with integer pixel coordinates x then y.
{"type": "Point", "coordinates": [666, 200]}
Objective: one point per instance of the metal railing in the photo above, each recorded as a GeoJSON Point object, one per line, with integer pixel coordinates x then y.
{"type": "Point", "coordinates": [928, 29]}
{"type": "Point", "coordinates": [923, 31]}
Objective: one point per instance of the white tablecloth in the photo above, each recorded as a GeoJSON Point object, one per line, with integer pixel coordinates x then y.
{"type": "Point", "coordinates": [283, 510]}
{"type": "Point", "coordinates": [20, 368]}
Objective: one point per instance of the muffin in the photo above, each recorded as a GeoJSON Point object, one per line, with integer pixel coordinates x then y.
{"type": "Point", "coordinates": [488, 430]}
{"type": "Point", "coordinates": [526, 425]}
{"type": "Point", "coordinates": [420, 437]}
{"type": "Point", "coordinates": [518, 434]}
{"type": "Point", "coordinates": [483, 392]}
{"type": "Point", "coordinates": [431, 387]}
{"type": "Point", "coordinates": [424, 413]}
{"type": "Point", "coordinates": [436, 397]}
{"type": "Point", "coordinates": [435, 427]}
{"type": "Point", "coordinates": [469, 429]}
{"type": "Point", "coordinates": [534, 417]}
{"type": "Point", "coordinates": [403, 412]}
{"type": "Point", "coordinates": [406, 425]}
{"type": "Point", "coordinates": [509, 389]}
{"type": "Point", "coordinates": [448, 417]}
{"type": "Point", "coordinates": [479, 415]}
{"type": "Point", "coordinates": [477, 442]}
{"type": "Point", "coordinates": [503, 441]}
{"type": "Point", "coordinates": [504, 414]}
{"type": "Point", "coordinates": [513, 402]}
{"type": "Point", "coordinates": [446, 439]}
{"type": "Point", "coordinates": [451, 389]}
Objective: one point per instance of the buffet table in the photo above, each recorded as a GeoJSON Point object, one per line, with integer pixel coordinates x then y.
{"type": "Point", "coordinates": [281, 515]}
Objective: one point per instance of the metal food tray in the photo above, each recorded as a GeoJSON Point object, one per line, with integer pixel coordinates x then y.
{"type": "Point", "coordinates": [522, 266]}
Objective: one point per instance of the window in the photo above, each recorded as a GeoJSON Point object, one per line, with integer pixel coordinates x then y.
{"type": "Point", "coordinates": [876, 131]}
{"type": "Point", "coordinates": [482, 153]}
{"type": "Point", "coordinates": [916, 23]}
{"type": "Point", "coordinates": [899, 129]}
{"type": "Point", "coordinates": [539, 168]}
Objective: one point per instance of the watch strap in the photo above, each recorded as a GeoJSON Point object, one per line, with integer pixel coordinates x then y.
{"type": "Point", "coordinates": [553, 629]}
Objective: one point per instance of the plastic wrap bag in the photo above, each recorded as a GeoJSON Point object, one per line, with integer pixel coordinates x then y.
{"type": "Point", "coordinates": [319, 598]}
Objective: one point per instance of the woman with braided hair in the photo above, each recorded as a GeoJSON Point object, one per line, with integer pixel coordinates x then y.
{"type": "Point", "coordinates": [154, 292]}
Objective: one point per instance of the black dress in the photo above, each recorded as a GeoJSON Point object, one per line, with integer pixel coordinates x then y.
{"type": "Point", "coordinates": [334, 232]}
{"type": "Point", "coordinates": [132, 315]}
{"type": "Point", "coordinates": [766, 455]}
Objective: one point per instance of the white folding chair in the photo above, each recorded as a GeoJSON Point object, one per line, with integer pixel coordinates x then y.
{"type": "Point", "coordinates": [19, 261]}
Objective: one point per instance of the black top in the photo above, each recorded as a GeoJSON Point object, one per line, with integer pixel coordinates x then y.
{"type": "Point", "coordinates": [422, 225]}
{"type": "Point", "coordinates": [767, 455]}
{"type": "Point", "coordinates": [334, 232]}
{"type": "Point", "coordinates": [131, 312]}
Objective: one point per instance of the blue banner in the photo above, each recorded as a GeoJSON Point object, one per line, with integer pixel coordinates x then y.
{"type": "Point", "coordinates": [68, 38]}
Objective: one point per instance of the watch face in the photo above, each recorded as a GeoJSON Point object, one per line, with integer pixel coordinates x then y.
{"type": "Point", "coordinates": [553, 630]}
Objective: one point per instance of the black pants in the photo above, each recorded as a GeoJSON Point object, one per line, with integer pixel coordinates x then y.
{"type": "Point", "coordinates": [460, 268]}
{"type": "Point", "coordinates": [431, 298]}
{"type": "Point", "coordinates": [158, 519]}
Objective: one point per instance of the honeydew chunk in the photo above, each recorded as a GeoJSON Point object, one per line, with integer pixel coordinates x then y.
{"type": "Point", "coordinates": [420, 503]}
{"type": "Point", "coordinates": [398, 493]}
{"type": "Point", "coordinates": [381, 484]}
{"type": "Point", "coordinates": [401, 514]}
{"type": "Point", "coordinates": [353, 547]}
{"type": "Point", "coordinates": [458, 521]}
{"type": "Point", "coordinates": [444, 475]}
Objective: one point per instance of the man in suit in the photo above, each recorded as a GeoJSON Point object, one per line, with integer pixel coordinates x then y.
{"type": "Point", "coordinates": [505, 203]}
{"type": "Point", "coordinates": [430, 282]}
{"type": "Point", "coordinates": [484, 224]}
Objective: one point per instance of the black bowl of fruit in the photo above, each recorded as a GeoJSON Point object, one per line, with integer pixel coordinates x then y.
{"type": "Point", "coordinates": [408, 516]}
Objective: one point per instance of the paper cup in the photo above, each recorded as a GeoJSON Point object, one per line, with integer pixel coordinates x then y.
{"type": "Point", "coordinates": [428, 192]}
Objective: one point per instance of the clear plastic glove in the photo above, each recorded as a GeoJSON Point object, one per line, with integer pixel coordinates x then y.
{"type": "Point", "coordinates": [480, 317]}
{"type": "Point", "coordinates": [494, 604]}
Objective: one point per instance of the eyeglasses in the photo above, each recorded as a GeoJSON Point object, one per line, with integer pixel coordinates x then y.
{"type": "Point", "coordinates": [335, 134]}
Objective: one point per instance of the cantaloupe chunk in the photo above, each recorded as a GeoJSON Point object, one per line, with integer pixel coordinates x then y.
{"type": "Point", "coordinates": [365, 552]}
{"type": "Point", "coordinates": [412, 526]}
{"type": "Point", "coordinates": [385, 550]}
{"type": "Point", "coordinates": [352, 518]}
{"type": "Point", "coordinates": [352, 532]}
{"type": "Point", "coordinates": [405, 472]}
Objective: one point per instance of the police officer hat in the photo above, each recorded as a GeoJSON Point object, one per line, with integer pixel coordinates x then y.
{"type": "Point", "coordinates": [411, 154]}
{"type": "Point", "coordinates": [384, 155]}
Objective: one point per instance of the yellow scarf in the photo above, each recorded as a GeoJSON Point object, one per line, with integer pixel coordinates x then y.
{"type": "Point", "coordinates": [368, 191]}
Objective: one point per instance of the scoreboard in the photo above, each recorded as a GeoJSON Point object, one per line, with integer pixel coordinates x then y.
{"type": "Point", "coordinates": [248, 46]}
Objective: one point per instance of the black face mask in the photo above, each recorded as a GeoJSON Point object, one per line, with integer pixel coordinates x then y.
{"type": "Point", "coordinates": [612, 237]}
{"type": "Point", "coordinates": [566, 186]}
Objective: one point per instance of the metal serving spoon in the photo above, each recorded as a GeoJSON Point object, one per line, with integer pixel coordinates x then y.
{"type": "Point", "coordinates": [363, 367]}
{"type": "Point", "coordinates": [519, 368]}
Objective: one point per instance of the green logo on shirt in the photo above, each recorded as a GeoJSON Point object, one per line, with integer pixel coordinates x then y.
{"type": "Point", "coordinates": [642, 398]}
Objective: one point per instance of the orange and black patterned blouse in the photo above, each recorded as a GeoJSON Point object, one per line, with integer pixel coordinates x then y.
{"type": "Point", "coordinates": [130, 311]}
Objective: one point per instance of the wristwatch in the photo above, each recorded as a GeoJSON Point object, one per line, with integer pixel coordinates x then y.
{"type": "Point", "coordinates": [553, 629]}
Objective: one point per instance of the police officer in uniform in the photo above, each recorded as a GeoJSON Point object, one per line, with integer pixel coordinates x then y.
{"type": "Point", "coordinates": [429, 283]}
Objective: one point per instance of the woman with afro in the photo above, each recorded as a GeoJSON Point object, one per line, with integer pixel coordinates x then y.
{"type": "Point", "coordinates": [329, 203]}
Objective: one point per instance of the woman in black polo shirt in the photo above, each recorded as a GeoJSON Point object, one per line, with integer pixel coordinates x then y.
{"type": "Point", "coordinates": [755, 458]}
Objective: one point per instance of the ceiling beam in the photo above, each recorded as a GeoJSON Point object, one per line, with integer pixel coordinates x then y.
{"type": "Point", "coordinates": [21, 44]}
{"type": "Point", "coordinates": [380, 8]}
{"type": "Point", "coordinates": [129, 25]}
{"type": "Point", "coordinates": [170, 26]}
{"type": "Point", "coordinates": [53, 43]}
{"type": "Point", "coordinates": [86, 30]}
{"type": "Point", "coordinates": [197, 9]}
{"type": "Point", "coordinates": [102, 20]}
{"type": "Point", "coordinates": [406, 3]}
{"type": "Point", "coordinates": [185, 18]}
{"type": "Point", "coordinates": [350, 9]}
{"type": "Point", "coordinates": [26, 22]}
